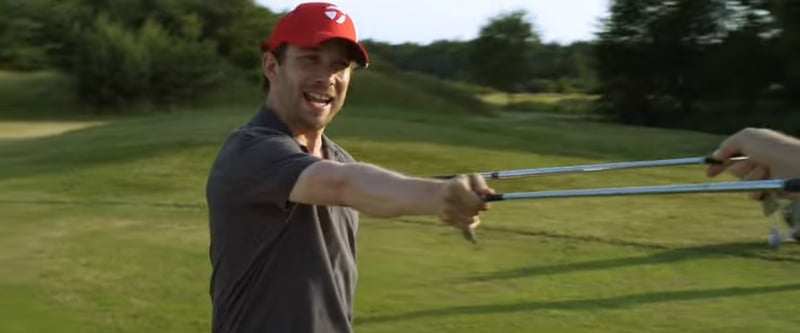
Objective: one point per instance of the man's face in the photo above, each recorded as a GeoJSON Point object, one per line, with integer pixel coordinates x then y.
{"type": "Point", "coordinates": [309, 87]}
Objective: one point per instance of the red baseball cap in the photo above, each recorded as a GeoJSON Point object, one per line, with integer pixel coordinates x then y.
{"type": "Point", "coordinates": [312, 23]}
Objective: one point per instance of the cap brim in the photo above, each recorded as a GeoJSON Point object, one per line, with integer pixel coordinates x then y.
{"type": "Point", "coordinates": [359, 54]}
{"type": "Point", "coordinates": [356, 50]}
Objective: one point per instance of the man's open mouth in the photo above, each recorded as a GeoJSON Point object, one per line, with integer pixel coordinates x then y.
{"type": "Point", "coordinates": [318, 99]}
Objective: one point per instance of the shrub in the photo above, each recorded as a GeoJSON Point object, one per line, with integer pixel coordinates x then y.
{"type": "Point", "coordinates": [115, 66]}
{"type": "Point", "coordinates": [109, 66]}
{"type": "Point", "coordinates": [179, 68]}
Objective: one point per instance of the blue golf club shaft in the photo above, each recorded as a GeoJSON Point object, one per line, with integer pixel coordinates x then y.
{"type": "Point", "coordinates": [599, 167]}
{"type": "Point", "coordinates": [787, 185]}
{"type": "Point", "coordinates": [470, 235]}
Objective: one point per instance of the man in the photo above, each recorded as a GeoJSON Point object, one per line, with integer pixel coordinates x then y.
{"type": "Point", "coordinates": [284, 198]}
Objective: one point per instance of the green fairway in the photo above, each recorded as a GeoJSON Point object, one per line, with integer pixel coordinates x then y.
{"type": "Point", "coordinates": [104, 230]}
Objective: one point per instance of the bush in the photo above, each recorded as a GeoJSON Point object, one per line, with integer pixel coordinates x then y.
{"type": "Point", "coordinates": [115, 66]}
{"type": "Point", "coordinates": [179, 68]}
{"type": "Point", "coordinates": [110, 68]}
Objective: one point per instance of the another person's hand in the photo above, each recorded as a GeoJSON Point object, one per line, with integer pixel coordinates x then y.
{"type": "Point", "coordinates": [770, 155]}
{"type": "Point", "coordinates": [462, 202]}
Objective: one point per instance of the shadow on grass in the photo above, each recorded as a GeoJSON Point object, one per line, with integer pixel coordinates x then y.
{"type": "Point", "coordinates": [627, 301]}
{"type": "Point", "coordinates": [745, 250]}
{"type": "Point", "coordinates": [668, 254]}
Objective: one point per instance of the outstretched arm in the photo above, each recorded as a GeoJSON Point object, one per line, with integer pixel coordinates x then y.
{"type": "Point", "coordinates": [385, 193]}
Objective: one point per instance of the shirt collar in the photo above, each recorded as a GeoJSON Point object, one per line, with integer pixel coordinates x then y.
{"type": "Point", "coordinates": [266, 117]}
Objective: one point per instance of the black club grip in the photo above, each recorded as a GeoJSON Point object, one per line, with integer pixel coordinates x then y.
{"type": "Point", "coordinates": [792, 185]}
{"type": "Point", "coordinates": [492, 197]}
{"type": "Point", "coordinates": [714, 161]}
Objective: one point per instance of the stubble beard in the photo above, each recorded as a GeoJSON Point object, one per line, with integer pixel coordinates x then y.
{"type": "Point", "coordinates": [296, 116]}
{"type": "Point", "coordinates": [302, 119]}
{"type": "Point", "coordinates": [305, 123]}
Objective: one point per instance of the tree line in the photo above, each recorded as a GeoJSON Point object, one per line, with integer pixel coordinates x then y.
{"type": "Point", "coordinates": [499, 64]}
{"type": "Point", "coordinates": [706, 64]}
{"type": "Point", "coordinates": [712, 65]}
{"type": "Point", "coordinates": [122, 51]}
{"type": "Point", "coordinates": [169, 50]}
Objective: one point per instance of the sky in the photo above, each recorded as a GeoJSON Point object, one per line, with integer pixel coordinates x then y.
{"type": "Point", "coordinates": [424, 21]}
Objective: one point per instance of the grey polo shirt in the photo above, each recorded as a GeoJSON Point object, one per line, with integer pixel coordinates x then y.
{"type": "Point", "coordinates": [277, 266]}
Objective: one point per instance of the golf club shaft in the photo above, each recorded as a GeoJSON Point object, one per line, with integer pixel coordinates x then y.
{"type": "Point", "coordinates": [600, 167]}
{"type": "Point", "coordinates": [789, 185]}
{"type": "Point", "coordinates": [470, 235]}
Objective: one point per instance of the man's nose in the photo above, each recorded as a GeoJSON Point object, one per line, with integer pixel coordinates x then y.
{"type": "Point", "coordinates": [324, 75]}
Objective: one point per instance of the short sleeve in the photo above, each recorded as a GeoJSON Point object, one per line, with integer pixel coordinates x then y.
{"type": "Point", "coordinates": [259, 167]}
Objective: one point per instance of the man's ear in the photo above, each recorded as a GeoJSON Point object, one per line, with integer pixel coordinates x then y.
{"type": "Point", "coordinates": [269, 65]}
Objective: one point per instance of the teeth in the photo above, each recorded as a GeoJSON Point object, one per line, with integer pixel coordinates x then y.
{"type": "Point", "coordinates": [319, 97]}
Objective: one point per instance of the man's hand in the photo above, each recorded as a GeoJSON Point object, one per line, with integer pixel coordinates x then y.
{"type": "Point", "coordinates": [749, 170]}
{"type": "Point", "coordinates": [770, 155]}
{"type": "Point", "coordinates": [462, 201]}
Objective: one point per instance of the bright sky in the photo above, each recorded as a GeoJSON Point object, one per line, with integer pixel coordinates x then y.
{"type": "Point", "coordinates": [424, 21]}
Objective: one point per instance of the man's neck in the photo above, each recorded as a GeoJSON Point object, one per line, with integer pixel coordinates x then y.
{"type": "Point", "coordinates": [312, 140]}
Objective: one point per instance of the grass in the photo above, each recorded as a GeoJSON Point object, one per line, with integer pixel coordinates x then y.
{"type": "Point", "coordinates": [502, 98]}
{"type": "Point", "coordinates": [570, 104]}
{"type": "Point", "coordinates": [27, 129]}
{"type": "Point", "coordinates": [104, 230]}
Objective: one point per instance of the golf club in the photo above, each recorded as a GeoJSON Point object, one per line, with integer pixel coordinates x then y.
{"type": "Point", "coordinates": [600, 167]}
{"type": "Point", "coordinates": [772, 186]}
{"type": "Point", "coordinates": [791, 185]}
{"type": "Point", "coordinates": [470, 235]}
{"type": "Point", "coordinates": [787, 185]}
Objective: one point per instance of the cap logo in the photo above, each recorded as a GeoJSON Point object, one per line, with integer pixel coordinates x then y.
{"type": "Point", "coordinates": [335, 14]}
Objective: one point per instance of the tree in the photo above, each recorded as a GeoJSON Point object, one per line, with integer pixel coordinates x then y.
{"type": "Point", "coordinates": [501, 55]}
{"type": "Point", "coordinates": [657, 59]}
{"type": "Point", "coordinates": [621, 64]}
{"type": "Point", "coordinates": [787, 14]}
